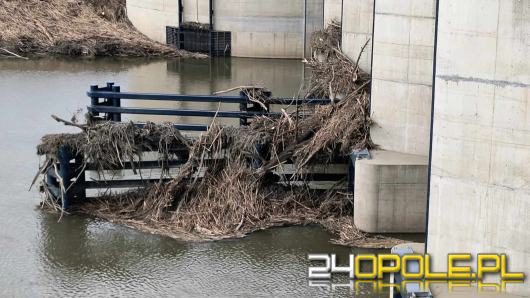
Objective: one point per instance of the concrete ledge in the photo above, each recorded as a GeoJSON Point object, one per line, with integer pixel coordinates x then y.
{"type": "Point", "coordinates": [391, 193]}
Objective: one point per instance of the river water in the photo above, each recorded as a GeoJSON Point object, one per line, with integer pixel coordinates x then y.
{"type": "Point", "coordinates": [82, 256]}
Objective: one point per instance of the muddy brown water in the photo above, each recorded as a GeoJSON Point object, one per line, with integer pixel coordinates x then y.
{"type": "Point", "coordinates": [82, 256]}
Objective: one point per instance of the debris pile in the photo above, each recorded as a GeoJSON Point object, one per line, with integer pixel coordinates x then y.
{"type": "Point", "coordinates": [74, 28]}
{"type": "Point", "coordinates": [196, 26]}
{"type": "Point", "coordinates": [226, 187]}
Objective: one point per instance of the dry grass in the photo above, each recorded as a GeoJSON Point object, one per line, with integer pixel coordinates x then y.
{"type": "Point", "coordinates": [347, 234]}
{"type": "Point", "coordinates": [195, 26]}
{"type": "Point", "coordinates": [334, 75]}
{"type": "Point", "coordinates": [111, 145]}
{"type": "Point", "coordinates": [75, 28]}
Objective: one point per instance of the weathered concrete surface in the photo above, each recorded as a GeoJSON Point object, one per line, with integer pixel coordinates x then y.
{"type": "Point", "coordinates": [262, 29]}
{"type": "Point", "coordinates": [402, 74]}
{"type": "Point", "coordinates": [357, 26]}
{"type": "Point", "coordinates": [391, 189]}
{"type": "Point", "coordinates": [332, 11]}
{"type": "Point", "coordinates": [265, 29]}
{"type": "Point", "coordinates": [314, 21]}
{"type": "Point", "coordinates": [152, 16]}
{"type": "Point", "coordinates": [196, 11]}
{"type": "Point", "coordinates": [480, 183]}
{"type": "Point", "coordinates": [270, 29]}
{"type": "Point", "coordinates": [391, 193]}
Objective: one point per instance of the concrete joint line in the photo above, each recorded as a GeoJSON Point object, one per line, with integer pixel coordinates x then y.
{"type": "Point", "coordinates": [498, 83]}
{"type": "Point", "coordinates": [404, 15]}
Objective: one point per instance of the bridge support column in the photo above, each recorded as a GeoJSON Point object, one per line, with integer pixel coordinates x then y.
{"type": "Point", "coordinates": [480, 183]}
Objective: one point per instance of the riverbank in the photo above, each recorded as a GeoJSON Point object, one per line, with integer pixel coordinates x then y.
{"type": "Point", "coordinates": [75, 28]}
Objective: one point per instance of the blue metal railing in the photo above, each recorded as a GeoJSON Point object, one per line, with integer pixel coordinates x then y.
{"type": "Point", "coordinates": [178, 112]}
{"type": "Point", "coordinates": [200, 98]}
{"type": "Point", "coordinates": [112, 96]}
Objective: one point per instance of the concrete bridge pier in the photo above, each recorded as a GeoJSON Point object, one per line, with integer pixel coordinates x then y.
{"type": "Point", "coordinates": [480, 182]}
{"type": "Point", "coordinates": [391, 189]}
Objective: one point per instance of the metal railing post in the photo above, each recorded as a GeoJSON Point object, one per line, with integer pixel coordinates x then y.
{"type": "Point", "coordinates": [108, 101]}
{"type": "Point", "coordinates": [351, 173]}
{"type": "Point", "coordinates": [181, 12]}
{"type": "Point", "coordinates": [210, 41]}
{"type": "Point", "coordinates": [66, 175]}
{"type": "Point", "coordinates": [94, 101]}
{"type": "Point", "coordinates": [80, 191]}
{"type": "Point", "coordinates": [116, 102]}
{"type": "Point", "coordinates": [243, 107]}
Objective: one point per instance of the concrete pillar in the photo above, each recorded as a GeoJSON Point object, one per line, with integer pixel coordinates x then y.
{"type": "Point", "coordinates": [332, 11]}
{"type": "Point", "coordinates": [151, 17]}
{"type": "Point", "coordinates": [357, 26]}
{"type": "Point", "coordinates": [391, 189]}
{"type": "Point", "coordinates": [402, 74]}
{"type": "Point", "coordinates": [480, 182]}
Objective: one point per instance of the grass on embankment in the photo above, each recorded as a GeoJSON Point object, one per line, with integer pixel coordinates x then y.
{"type": "Point", "coordinates": [74, 28]}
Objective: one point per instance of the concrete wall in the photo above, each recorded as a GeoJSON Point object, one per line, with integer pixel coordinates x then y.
{"type": "Point", "coordinates": [398, 42]}
{"type": "Point", "coordinates": [332, 11]}
{"type": "Point", "coordinates": [262, 29]}
{"type": "Point", "coordinates": [152, 17]}
{"type": "Point", "coordinates": [402, 74]}
{"type": "Point", "coordinates": [480, 183]}
{"type": "Point", "coordinates": [196, 11]}
{"type": "Point", "coordinates": [268, 29]}
{"type": "Point", "coordinates": [357, 26]}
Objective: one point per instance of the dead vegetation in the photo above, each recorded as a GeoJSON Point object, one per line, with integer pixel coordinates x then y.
{"type": "Point", "coordinates": [125, 144]}
{"type": "Point", "coordinates": [195, 26]}
{"type": "Point", "coordinates": [75, 28]}
{"type": "Point", "coordinates": [235, 192]}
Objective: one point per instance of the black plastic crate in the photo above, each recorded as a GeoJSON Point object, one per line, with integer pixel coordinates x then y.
{"type": "Point", "coordinates": [221, 42]}
{"type": "Point", "coordinates": [172, 36]}
{"type": "Point", "coordinates": [214, 43]}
